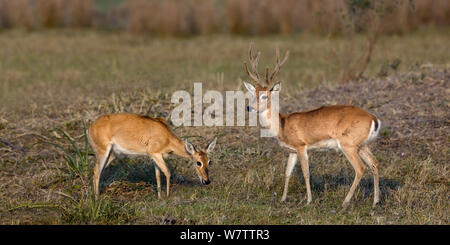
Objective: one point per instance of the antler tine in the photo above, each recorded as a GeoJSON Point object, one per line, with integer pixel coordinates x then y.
{"type": "Point", "coordinates": [255, 63]}
{"type": "Point", "coordinates": [277, 54]}
{"type": "Point", "coordinates": [250, 49]}
{"type": "Point", "coordinates": [278, 65]}
{"type": "Point", "coordinates": [250, 74]}
{"type": "Point", "coordinates": [254, 60]}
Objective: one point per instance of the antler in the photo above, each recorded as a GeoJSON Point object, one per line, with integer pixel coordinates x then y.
{"type": "Point", "coordinates": [254, 60]}
{"type": "Point", "coordinates": [254, 63]}
{"type": "Point", "coordinates": [277, 66]}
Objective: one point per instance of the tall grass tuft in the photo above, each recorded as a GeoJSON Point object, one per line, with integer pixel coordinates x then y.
{"type": "Point", "coordinates": [240, 14]}
{"type": "Point", "coordinates": [139, 19]}
{"type": "Point", "coordinates": [287, 15]}
{"type": "Point", "coordinates": [51, 13]}
{"type": "Point", "coordinates": [81, 12]}
{"type": "Point", "coordinates": [76, 158]}
{"type": "Point", "coordinates": [84, 209]}
{"type": "Point", "coordinates": [18, 13]}
{"type": "Point", "coordinates": [204, 16]}
{"type": "Point", "coordinates": [173, 18]}
{"type": "Point", "coordinates": [188, 17]}
{"type": "Point", "coordinates": [266, 19]}
{"type": "Point", "coordinates": [79, 205]}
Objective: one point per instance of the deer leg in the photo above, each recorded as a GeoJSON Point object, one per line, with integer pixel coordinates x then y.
{"type": "Point", "coordinates": [163, 167]}
{"type": "Point", "coordinates": [351, 152]}
{"type": "Point", "coordinates": [111, 157]}
{"type": "Point", "coordinates": [303, 154]}
{"type": "Point", "coordinates": [158, 180]}
{"type": "Point", "coordinates": [370, 160]}
{"type": "Point", "coordinates": [102, 159]}
{"type": "Point", "coordinates": [97, 172]}
{"type": "Point", "coordinates": [290, 166]}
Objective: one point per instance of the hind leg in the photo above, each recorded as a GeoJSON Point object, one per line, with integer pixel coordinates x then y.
{"type": "Point", "coordinates": [161, 164]}
{"type": "Point", "coordinates": [102, 159]}
{"type": "Point", "coordinates": [289, 167]}
{"type": "Point", "coordinates": [158, 180]}
{"type": "Point", "coordinates": [303, 155]}
{"type": "Point", "coordinates": [351, 152]}
{"type": "Point", "coordinates": [111, 157]}
{"type": "Point", "coordinates": [371, 161]}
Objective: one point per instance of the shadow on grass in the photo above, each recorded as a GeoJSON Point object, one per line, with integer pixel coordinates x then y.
{"type": "Point", "coordinates": [139, 170]}
{"type": "Point", "coordinates": [333, 182]}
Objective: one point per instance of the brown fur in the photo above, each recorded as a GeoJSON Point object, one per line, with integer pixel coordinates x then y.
{"type": "Point", "coordinates": [348, 124]}
{"type": "Point", "coordinates": [343, 127]}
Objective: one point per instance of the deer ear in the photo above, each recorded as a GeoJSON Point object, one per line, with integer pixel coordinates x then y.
{"type": "Point", "coordinates": [250, 87]}
{"type": "Point", "coordinates": [276, 87]}
{"type": "Point", "coordinates": [189, 148]}
{"type": "Point", "coordinates": [210, 147]}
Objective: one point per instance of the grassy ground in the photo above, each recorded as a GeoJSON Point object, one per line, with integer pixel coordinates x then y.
{"type": "Point", "coordinates": [50, 82]}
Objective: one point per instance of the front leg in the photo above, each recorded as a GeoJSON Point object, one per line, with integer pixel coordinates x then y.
{"type": "Point", "coordinates": [158, 180]}
{"type": "Point", "coordinates": [163, 167]}
{"type": "Point", "coordinates": [290, 166]}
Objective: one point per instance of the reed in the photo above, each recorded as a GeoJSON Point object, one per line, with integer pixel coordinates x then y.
{"type": "Point", "coordinates": [191, 17]}
{"type": "Point", "coordinates": [18, 13]}
{"type": "Point", "coordinates": [81, 12]}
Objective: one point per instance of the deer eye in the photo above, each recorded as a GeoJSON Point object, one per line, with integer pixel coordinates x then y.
{"type": "Point", "coordinates": [199, 164]}
{"type": "Point", "coordinates": [209, 163]}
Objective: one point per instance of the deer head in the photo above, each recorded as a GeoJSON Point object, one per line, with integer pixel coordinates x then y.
{"type": "Point", "coordinates": [262, 93]}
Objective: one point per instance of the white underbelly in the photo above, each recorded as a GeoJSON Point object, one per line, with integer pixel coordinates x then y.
{"type": "Point", "coordinates": [121, 150]}
{"type": "Point", "coordinates": [326, 144]}
{"type": "Point", "coordinates": [282, 144]}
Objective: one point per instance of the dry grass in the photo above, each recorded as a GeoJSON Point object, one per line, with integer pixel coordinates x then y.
{"type": "Point", "coordinates": [81, 12]}
{"type": "Point", "coordinates": [171, 17]}
{"type": "Point", "coordinates": [17, 14]}
{"type": "Point", "coordinates": [246, 177]}
{"type": "Point", "coordinates": [50, 90]}
{"type": "Point", "coordinates": [51, 13]}
{"type": "Point", "coordinates": [33, 15]}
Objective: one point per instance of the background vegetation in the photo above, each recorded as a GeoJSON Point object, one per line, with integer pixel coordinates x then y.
{"type": "Point", "coordinates": [188, 17]}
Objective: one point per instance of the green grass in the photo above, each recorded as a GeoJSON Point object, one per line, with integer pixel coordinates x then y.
{"type": "Point", "coordinates": [53, 81]}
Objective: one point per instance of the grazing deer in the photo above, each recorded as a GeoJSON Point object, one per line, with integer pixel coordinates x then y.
{"type": "Point", "coordinates": [133, 134]}
{"type": "Point", "coordinates": [343, 127]}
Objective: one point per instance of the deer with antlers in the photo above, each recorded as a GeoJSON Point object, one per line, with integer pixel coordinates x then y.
{"type": "Point", "coordinates": [344, 127]}
{"type": "Point", "coordinates": [132, 134]}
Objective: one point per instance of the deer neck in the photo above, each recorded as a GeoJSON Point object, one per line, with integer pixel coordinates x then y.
{"type": "Point", "coordinates": [272, 121]}
{"type": "Point", "coordinates": [179, 149]}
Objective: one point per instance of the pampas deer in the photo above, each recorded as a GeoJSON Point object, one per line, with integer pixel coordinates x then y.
{"type": "Point", "coordinates": [343, 127]}
{"type": "Point", "coordinates": [133, 134]}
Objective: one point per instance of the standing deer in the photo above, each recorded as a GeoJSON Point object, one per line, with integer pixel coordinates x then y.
{"type": "Point", "coordinates": [343, 127]}
{"type": "Point", "coordinates": [133, 134]}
